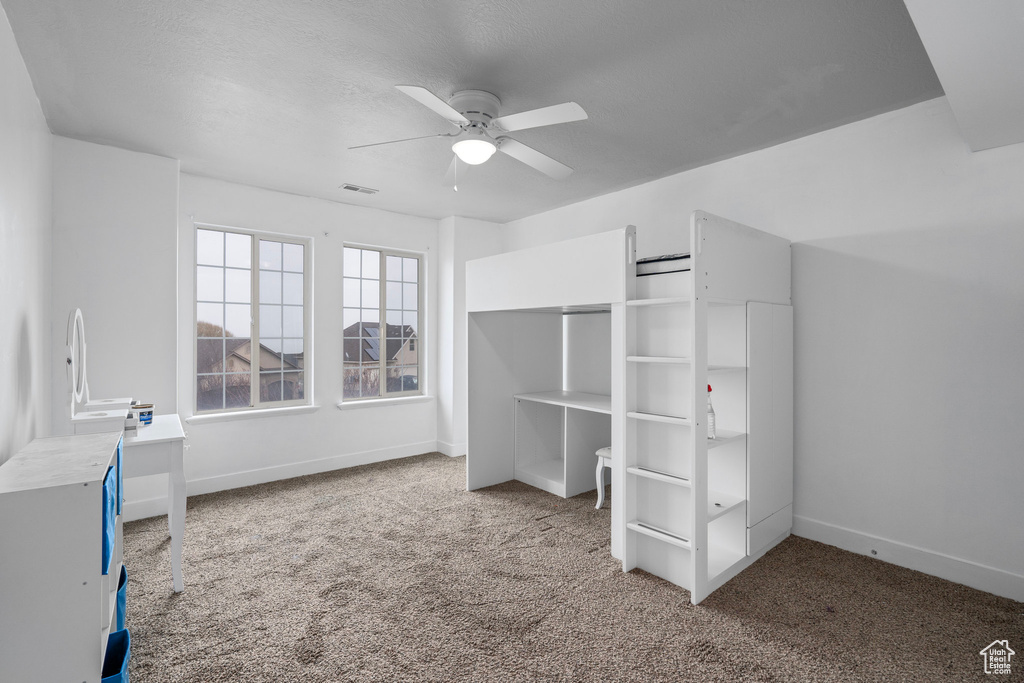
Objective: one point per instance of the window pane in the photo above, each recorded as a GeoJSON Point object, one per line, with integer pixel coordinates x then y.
{"type": "Point", "coordinates": [292, 321]}
{"type": "Point", "coordinates": [293, 257]}
{"type": "Point", "coordinates": [350, 348]}
{"type": "Point", "coordinates": [209, 355]}
{"type": "Point", "coordinates": [410, 302]}
{"type": "Point", "coordinates": [270, 321]}
{"type": "Point", "coordinates": [237, 285]}
{"type": "Point", "coordinates": [409, 319]}
{"type": "Point", "coordinates": [270, 255]}
{"type": "Point", "coordinates": [270, 354]}
{"type": "Point", "coordinates": [270, 386]}
{"type": "Point", "coordinates": [238, 250]}
{"type": "Point", "coordinates": [371, 315]}
{"type": "Point", "coordinates": [393, 292]}
{"type": "Point", "coordinates": [210, 392]}
{"type": "Point", "coordinates": [350, 262]}
{"type": "Point", "coordinates": [350, 317]}
{"type": "Point", "coordinates": [270, 287]}
{"type": "Point", "coordinates": [370, 381]}
{"type": "Point", "coordinates": [236, 391]}
{"type": "Point", "coordinates": [237, 356]}
{"type": "Point", "coordinates": [350, 382]}
{"type": "Point", "coordinates": [209, 320]}
{"type": "Point", "coordinates": [269, 360]}
{"type": "Point", "coordinates": [371, 293]}
{"type": "Point", "coordinates": [371, 264]}
{"type": "Point", "coordinates": [350, 292]}
{"type": "Point", "coordinates": [238, 320]}
{"type": "Point", "coordinates": [394, 317]}
{"type": "Point", "coordinates": [410, 269]}
{"type": "Point", "coordinates": [292, 287]}
{"type": "Point", "coordinates": [394, 266]}
{"type": "Point", "coordinates": [292, 349]}
{"type": "Point", "coordinates": [292, 386]}
{"type": "Point", "coordinates": [209, 247]}
{"type": "Point", "coordinates": [209, 283]}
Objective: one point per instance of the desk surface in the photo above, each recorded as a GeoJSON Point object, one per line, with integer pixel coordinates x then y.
{"type": "Point", "coordinates": [164, 428]}
{"type": "Point", "coordinates": [596, 403]}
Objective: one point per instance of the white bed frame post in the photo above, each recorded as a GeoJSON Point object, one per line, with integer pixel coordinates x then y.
{"type": "Point", "coordinates": [623, 385]}
{"type": "Point", "coordinates": [698, 403]}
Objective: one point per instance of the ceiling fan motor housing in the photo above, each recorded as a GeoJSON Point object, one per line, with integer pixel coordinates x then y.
{"type": "Point", "coordinates": [479, 106]}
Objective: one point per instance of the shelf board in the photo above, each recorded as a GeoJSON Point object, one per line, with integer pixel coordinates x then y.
{"type": "Point", "coordinates": [659, 534]}
{"type": "Point", "coordinates": [721, 503]}
{"type": "Point", "coordinates": [596, 403]}
{"type": "Point", "coordinates": [654, 417]}
{"type": "Point", "coordinates": [664, 301]}
{"type": "Point", "coordinates": [723, 437]}
{"type": "Point", "coordinates": [659, 476]}
{"type": "Point", "coordinates": [678, 360]}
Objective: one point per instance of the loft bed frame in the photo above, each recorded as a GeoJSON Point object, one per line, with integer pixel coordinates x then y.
{"type": "Point", "coordinates": [691, 510]}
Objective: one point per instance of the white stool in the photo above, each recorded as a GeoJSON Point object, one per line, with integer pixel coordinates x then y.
{"type": "Point", "coordinates": [604, 459]}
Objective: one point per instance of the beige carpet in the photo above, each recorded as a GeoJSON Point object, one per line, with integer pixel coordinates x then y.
{"type": "Point", "coordinates": [393, 572]}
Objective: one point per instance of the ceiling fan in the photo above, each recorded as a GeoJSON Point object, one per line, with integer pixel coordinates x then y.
{"type": "Point", "coordinates": [482, 132]}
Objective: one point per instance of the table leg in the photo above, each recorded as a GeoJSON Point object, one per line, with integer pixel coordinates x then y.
{"type": "Point", "coordinates": [600, 484]}
{"type": "Point", "coordinates": [176, 516]}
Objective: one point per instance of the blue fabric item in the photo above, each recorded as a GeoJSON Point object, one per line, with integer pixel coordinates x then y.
{"type": "Point", "coordinates": [115, 661]}
{"type": "Point", "coordinates": [109, 517]}
{"type": "Point", "coordinates": [122, 598]}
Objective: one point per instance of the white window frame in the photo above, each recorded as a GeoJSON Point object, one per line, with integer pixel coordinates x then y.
{"type": "Point", "coordinates": [307, 319]}
{"type": "Point", "coordinates": [421, 365]}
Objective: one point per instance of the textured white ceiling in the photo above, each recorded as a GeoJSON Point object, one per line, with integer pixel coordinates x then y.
{"type": "Point", "coordinates": [273, 92]}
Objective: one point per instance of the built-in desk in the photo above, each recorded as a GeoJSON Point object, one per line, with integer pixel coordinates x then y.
{"type": "Point", "coordinates": [158, 448]}
{"type": "Point", "coordinates": [557, 434]}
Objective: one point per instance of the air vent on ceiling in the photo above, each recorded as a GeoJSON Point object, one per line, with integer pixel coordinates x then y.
{"type": "Point", "coordinates": [358, 188]}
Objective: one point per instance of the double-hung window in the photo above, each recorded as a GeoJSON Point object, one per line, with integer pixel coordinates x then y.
{"type": "Point", "coordinates": [252, 320]}
{"type": "Point", "coordinates": [381, 302]}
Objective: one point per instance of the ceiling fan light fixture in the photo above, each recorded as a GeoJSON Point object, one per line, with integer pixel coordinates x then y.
{"type": "Point", "coordinates": [474, 151]}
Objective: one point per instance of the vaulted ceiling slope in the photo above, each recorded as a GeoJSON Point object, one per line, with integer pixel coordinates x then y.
{"type": "Point", "coordinates": [272, 93]}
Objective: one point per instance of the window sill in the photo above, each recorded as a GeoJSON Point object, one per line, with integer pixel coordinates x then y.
{"type": "Point", "coordinates": [250, 414]}
{"type": "Point", "coordinates": [377, 402]}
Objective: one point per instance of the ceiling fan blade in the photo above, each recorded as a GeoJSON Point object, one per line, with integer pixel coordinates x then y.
{"type": "Point", "coordinates": [449, 176]}
{"type": "Point", "coordinates": [534, 159]}
{"type": "Point", "coordinates": [545, 116]}
{"type": "Point", "coordinates": [389, 142]}
{"type": "Point", "coordinates": [434, 103]}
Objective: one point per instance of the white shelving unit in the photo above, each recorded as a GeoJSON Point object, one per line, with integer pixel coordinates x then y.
{"type": "Point", "coordinates": [57, 607]}
{"type": "Point", "coordinates": [693, 510]}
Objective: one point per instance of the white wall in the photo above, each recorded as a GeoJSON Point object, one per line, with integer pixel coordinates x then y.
{"type": "Point", "coordinates": [115, 234]}
{"type": "Point", "coordinates": [25, 243]}
{"type": "Point", "coordinates": [461, 239]}
{"type": "Point", "coordinates": [587, 353]}
{"type": "Point", "coordinates": [909, 307]}
{"type": "Point", "coordinates": [236, 452]}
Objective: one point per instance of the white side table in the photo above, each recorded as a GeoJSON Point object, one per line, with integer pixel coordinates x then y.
{"type": "Point", "coordinates": [159, 449]}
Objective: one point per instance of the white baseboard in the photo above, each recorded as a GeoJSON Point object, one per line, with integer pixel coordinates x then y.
{"type": "Point", "coordinates": [155, 507]}
{"type": "Point", "coordinates": [452, 450]}
{"type": "Point", "coordinates": [989, 579]}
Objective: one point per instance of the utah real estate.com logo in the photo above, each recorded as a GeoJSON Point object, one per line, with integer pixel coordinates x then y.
{"type": "Point", "coordinates": [997, 657]}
